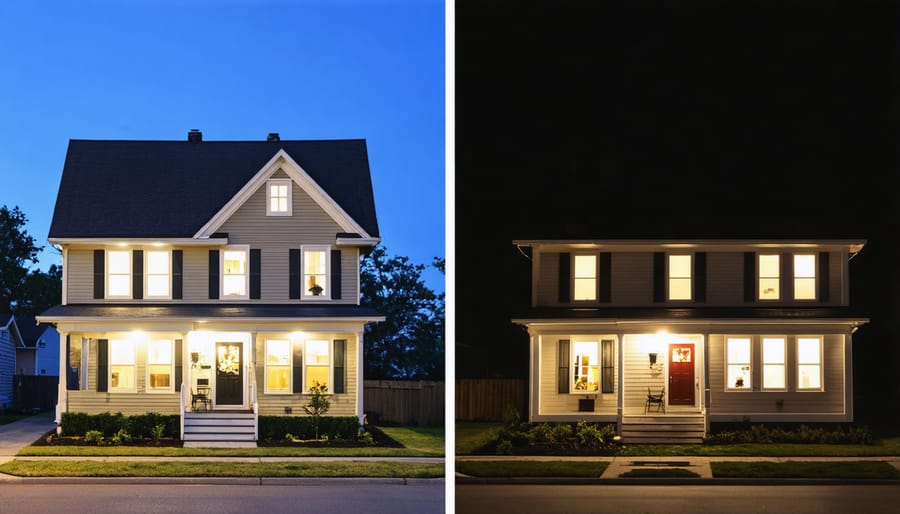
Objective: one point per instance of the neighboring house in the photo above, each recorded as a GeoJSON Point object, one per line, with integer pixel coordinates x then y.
{"type": "Point", "coordinates": [10, 339]}
{"type": "Point", "coordinates": [725, 330]}
{"type": "Point", "coordinates": [227, 269]}
{"type": "Point", "coordinates": [39, 352]}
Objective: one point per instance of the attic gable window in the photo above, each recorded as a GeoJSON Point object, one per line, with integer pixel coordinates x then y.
{"type": "Point", "coordinates": [118, 273]}
{"type": "Point", "coordinates": [278, 197]}
{"type": "Point", "coordinates": [234, 273]}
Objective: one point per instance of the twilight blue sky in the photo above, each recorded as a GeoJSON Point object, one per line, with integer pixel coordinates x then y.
{"type": "Point", "coordinates": [236, 70]}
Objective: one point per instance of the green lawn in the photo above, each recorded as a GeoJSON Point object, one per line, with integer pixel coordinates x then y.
{"type": "Point", "coordinates": [428, 441]}
{"type": "Point", "coordinates": [511, 468]}
{"type": "Point", "coordinates": [793, 469]}
{"type": "Point", "coordinates": [471, 435]}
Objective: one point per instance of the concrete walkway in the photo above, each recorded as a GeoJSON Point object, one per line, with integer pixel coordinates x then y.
{"type": "Point", "coordinates": [19, 434]}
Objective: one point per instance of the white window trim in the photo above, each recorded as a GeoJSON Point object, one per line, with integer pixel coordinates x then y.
{"type": "Point", "coordinates": [106, 260]}
{"type": "Point", "coordinates": [821, 363]}
{"type": "Point", "coordinates": [305, 295]}
{"type": "Point", "coordinates": [730, 388]}
{"type": "Point", "coordinates": [669, 277]}
{"type": "Point", "coordinates": [109, 367]}
{"type": "Point", "coordinates": [763, 364]}
{"type": "Point", "coordinates": [290, 196]}
{"type": "Point", "coordinates": [171, 387]}
{"type": "Point", "coordinates": [234, 248]}
{"type": "Point", "coordinates": [330, 377]}
{"type": "Point", "coordinates": [814, 277]}
{"type": "Point", "coordinates": [290, 388]}
{"type": "Point", "coordinates": [147, 295]}
{"type": "Point", "coordinates": [759, 277]}
{"type": "Point", "coordinates": [595, 277]}
{"type": "Point", "coordinates": [572, 365]}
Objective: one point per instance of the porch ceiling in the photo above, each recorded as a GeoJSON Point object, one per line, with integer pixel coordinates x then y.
{"type": "Point", "coordinates": [195, 312]}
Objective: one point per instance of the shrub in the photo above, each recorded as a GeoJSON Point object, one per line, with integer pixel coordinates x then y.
{"type": "Point", "coordinates": [93, 437]}
{"type": "Point", "coordinates": [504, 447]}
{"type": "Point", "coordinates": [139, 425]}
{"type": "Point", "coordinates": [541, 434]}
{"type": "Point", "coordinates": [562, 431]}
{"type": "Point", "coordinates": [589, 435]}
{"type": "Point", "coordinates": [275, 428]}
{"type": "Point", "coordinates": [121, 437]}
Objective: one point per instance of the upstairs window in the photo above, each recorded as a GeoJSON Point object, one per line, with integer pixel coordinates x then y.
{"type": "Point", "coordinates": [118, 273]}
{"type": "Point", "coordinates": [160, 365]}
{"type": "Point", "coordinates": [679, 277]}
{"type": "Point", "coordinates": [809, 363]}
{"type": "Point", "coordinates": [804, 277]}
{"type": "Point", "coordinates": [234, 273]}
{"type": "Point", "coordinates": [158, 271]}
{"type": "Point", "coordinates": [585, 277]}
{"type": "Point", "coordinates": [315, 272]}
{"type": "Point", "coordinates": [737, 366]}
{"type": "Point", "coordinates": [278, 197]}
{"type": "Point", "coordinates": [769, 277]}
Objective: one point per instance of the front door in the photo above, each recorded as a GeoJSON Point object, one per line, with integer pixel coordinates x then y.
{"type": "Point", "coordinates": [681, 374]}
{"type": "Point", "coordinates": [229, 374]}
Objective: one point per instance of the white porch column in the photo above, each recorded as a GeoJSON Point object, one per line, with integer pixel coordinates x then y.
{"type": "Point", "coordinates": [620, 393]}
{"type": "Point", "coordinates": [360, 386]}
{"type": "Point", "coordinates": [62, 397]}
{"type": "Point", "coordinates": [534, 374]}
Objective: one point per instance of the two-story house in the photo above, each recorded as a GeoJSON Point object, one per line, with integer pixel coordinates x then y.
{"type": "Point", "coordinates": [224, 271]}
{"type": "Point", "coordinates": [38, 354]}
{"type": "Point", "coordinates": [663, 337]}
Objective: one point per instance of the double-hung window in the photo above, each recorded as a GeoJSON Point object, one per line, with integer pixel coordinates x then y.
{"type": "Point", "coordinates": [235, 278]}
{"type": "Point", "coordinates": [278, 197]}
{"type": "Point", "coordinates": [586, 367]}
{"type": "Point", "coordinates": [804, 277]}
{"type": "Point", "coordinates": [160, 365]}
{"type": "Point", "coordinates": [278, 366]}
{"type": "Point", "coordinates": [317, 364]}
{"type": "Point", "coordinates": [315, 272]}
{"type": "Point", "coordinates": [118, 273]}
{"type": "Point", "coordinates": [121, 366]}
{"type": "Point", "coordinates": [680, 277]}
{"type": "Point", "coordinates": [773, 363]}
{"type": "Point", "coordinates": [809, 364]}
{"type": "Point", "coordinates": [158, 271]}
{"type": "Point", "coordinates": [585, 278]}
{"type": "Point", "coordinates": [738, 364]}
{"type": "Point", "coordinates": [769, 277]}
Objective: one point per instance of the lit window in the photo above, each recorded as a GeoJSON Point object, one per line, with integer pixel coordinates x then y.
{"type": "Point", "coordinates": [773, 362]}
{"type": "Point", "coordinates": [737, 367]}
{"type": "Point", "coordinates": [586, 369]}
{"type": "Point", "coordinates": [809, 363]}
{"type": "Point", "coordinates": [679, 277]}
{"type": "Point", "coordinates": [278, 197]}
{"type": "Point", "coordinates": [805, 277]}
{"type": "Point", "coordinates": [121, 366]}
{"type": "Point", "coordinates": [118, 271]}
{"type": "Point", "coordinates": [158, 274]}
{"type": "Point", "coordinates": [585, 277]}
{"type": "Point", "coordinates": [769, 277]}
{"type": "Point", "coordinates": [159, 365]}
{"type": "Point", "coordinates": [278, 366]}
{"type": "Point", "coordinates": [317, 359]}
{"type": "Point", "coordinates": [315, 272]}
{"type": "Point", "coordinates": [234, 273]}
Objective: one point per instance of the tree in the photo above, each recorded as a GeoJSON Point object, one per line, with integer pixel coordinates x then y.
{"type": "Point", "coordinates": [17, 253]}
{"type": "Point", "coordinates": [40, 291]}
{"type": "Point", "coordinates": [409, 344]}
{"type": "Point", "coordinates": [318, 403]}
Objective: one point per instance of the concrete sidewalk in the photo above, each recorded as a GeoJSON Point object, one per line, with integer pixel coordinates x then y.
{"type": "Point", "coordinates": [19, 434]}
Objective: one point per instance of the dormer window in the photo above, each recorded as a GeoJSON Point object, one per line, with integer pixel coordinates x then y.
{"type": "Point", "coordinates": [278, 197]}
{"type": "Point", "coordinates": [315, 273]}
{"type": "Point", "coordinates": [234, 273]}
{"type": "Point", "coordinates": [118, 273]}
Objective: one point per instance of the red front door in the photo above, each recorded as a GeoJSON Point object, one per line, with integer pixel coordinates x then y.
{"type": "Point", "coordinates": [681, 374]}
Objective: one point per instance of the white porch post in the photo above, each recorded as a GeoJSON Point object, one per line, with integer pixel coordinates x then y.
{"type": "Point", "coordinates": [620, 394]}
{"type": "Point", "coordinates": [360, 386]}
{"type": "Point", "coordinates": [62, 398]}
{"type": "Point", "coordinates": [533, 375]}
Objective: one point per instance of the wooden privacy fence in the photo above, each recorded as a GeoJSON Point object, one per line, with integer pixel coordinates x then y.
{"type": "Point", "coordinates": [404, 402]}
{"type": "Point", "coordinates": [484, 399]}
{"type": "Point", "coordinates": [32, 393]}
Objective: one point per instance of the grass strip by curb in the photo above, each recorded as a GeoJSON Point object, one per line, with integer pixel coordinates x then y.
{"type": "Point", "coordinates": [799, 469]}
{"type": "Point", "coordinates": [659, 473]}
{"type": "Point", "coordinates": [271, 451]}
{"type": "Point", "coordinates": [512, 468]}
{"type": "Point", "coordinates": [219, 469]}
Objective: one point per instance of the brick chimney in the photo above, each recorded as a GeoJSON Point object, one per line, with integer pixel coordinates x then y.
{"type": "Point", "coordinates": [195, 136]}
{"type": "Point", "coordinates": [273, 136]}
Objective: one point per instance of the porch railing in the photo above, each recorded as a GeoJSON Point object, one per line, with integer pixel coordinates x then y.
{"type": "Point", "coordinates": [182, 407]}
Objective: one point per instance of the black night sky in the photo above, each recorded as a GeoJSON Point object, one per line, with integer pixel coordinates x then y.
{"type": "Point", "coordinates": [668, 119]}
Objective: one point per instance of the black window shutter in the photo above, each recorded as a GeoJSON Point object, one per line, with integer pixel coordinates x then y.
{"type": "Point", "coordinates": [297, 360]}
{"type": "Point", "coordinates": [102, 365]}
{"type": "Point", "coordinates": [562, 385]}
{"type": "Point", "coordinates": [255, 273]}
{"type": "Point", "coordinates": [294, 274]}
{"type": "Point", "coordinates": [565, 277]}
{"type": "Point", "coordinates": [608, 366]}
{"type": "Point", "coordinates": [137, 274]}
{"type": "Point", "coordinates": [824, 277]}
{"type": "Point", "coordinates": [335, 274]}
{"type": "Point", "coordinates": [340, 349]}
{"type": "Point", "coordinates": [749, 276]}
{"type": "Point", "coordinates": [605, 277]}
{"type": "Point", "coordinates": [99, 274]}
{"type": "Point", "coordinates": [659, 277]}
{"type": "Point", "coordinates": [178, 363]}
{"type": "Point", "coordinates": [787, 276]}
{"type": "Point", "coordinates": [700, 277]}
{"type": "Point", "coordinates": [177, 274]}
{"type": "Point", "coordinates": [213, 274]}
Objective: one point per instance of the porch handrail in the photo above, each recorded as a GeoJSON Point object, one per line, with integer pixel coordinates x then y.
{"type": "Point", "coordinates": [182, 406]}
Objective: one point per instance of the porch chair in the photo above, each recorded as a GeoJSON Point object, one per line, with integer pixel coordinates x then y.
{"type": "Point", "coordinates": [657, 399]}
{"type": "Point", "coordinates": [201, 396]}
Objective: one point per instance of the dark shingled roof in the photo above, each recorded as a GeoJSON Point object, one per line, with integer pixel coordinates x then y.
{"type": "Point", "coordinates": [218, 312]}
{"type": "Point", "coordinates": [168, 189]}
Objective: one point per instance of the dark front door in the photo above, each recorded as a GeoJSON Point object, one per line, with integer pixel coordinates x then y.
{"type": "Point", "coordinates": [681, 374]}
{"type": "Point", "coordinates": [229, 374]}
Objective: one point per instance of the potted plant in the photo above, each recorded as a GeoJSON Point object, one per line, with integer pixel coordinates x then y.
{"type": "Point", "coordinates": [316, 290]}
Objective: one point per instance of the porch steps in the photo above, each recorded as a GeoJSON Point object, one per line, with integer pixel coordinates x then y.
{"type": "Point", "coordinates": [666, 429]}
{"type": "Point", "coordinates": [233, 429]}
